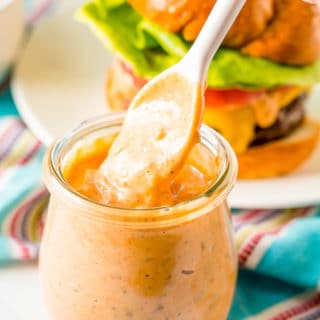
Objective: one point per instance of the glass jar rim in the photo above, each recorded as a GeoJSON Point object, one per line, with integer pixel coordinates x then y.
{"type": "Point", "coordinates": [218, 191]}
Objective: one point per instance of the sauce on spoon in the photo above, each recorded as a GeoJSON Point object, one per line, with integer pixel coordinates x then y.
{"type": "Point", "coordinates": [159, 131]}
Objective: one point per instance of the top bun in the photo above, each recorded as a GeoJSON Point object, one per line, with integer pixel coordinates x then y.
{"type": "Point", "coordinates": [286, 31]}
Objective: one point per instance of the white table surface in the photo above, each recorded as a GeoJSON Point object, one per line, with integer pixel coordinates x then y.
{"type": "Point", "coordinates": [20, 297]}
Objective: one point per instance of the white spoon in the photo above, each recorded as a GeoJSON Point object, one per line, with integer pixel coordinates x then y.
{"type": "Point", "coordinates": [163, 120]}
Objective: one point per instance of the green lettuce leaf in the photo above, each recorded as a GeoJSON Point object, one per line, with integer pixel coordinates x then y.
{"type": "Point", "coordinates": [150, 50]}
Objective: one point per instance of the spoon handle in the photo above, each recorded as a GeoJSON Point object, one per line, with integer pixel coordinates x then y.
{"type": "Point", "coordinates": [196, 62]}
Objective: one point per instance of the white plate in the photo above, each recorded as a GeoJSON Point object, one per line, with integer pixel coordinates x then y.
{"type": "Point", "coordinates": [59, 82]}
{"type": "Point", "coordinates": [59, 79]}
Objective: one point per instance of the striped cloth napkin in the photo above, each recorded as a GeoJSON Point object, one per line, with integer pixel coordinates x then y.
{"type": "Point", "coordinates": [278, 250]}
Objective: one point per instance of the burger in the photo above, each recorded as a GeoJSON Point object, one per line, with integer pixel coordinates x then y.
{"type": "Point", "coordinates": [257, 83]}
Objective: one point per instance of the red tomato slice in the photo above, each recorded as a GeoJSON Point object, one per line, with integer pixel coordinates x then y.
{"type": "Point", "coordinates": [138, 82]}
{"type": "Point", "coordinates": [231, 98]}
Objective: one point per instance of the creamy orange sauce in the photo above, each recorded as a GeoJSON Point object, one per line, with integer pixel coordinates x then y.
{"type": "Point", "coordinates": [182, 271]}
{"type": "Point", "coordinates": [95, 269]}
{"type": "Point", "coordinates": [159, 131]}
{"type": "Point", "coordinates": [196, 176]}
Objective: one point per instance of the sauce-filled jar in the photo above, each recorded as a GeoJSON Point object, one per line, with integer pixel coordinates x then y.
{"type": "Point", "coordinates": [102, 262]}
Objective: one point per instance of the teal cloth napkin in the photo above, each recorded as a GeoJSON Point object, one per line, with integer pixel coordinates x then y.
{"type": "Point", "coordinates": [278, 250]}
{"type": "Point", "coordinates": [7, 105]}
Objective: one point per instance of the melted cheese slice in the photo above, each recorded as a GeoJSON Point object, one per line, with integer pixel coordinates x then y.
{"type": "Point", "coordinates": [237, 125]}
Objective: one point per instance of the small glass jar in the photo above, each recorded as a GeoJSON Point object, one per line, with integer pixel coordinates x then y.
{"type": "Point", "coordinates": [104, 263]}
